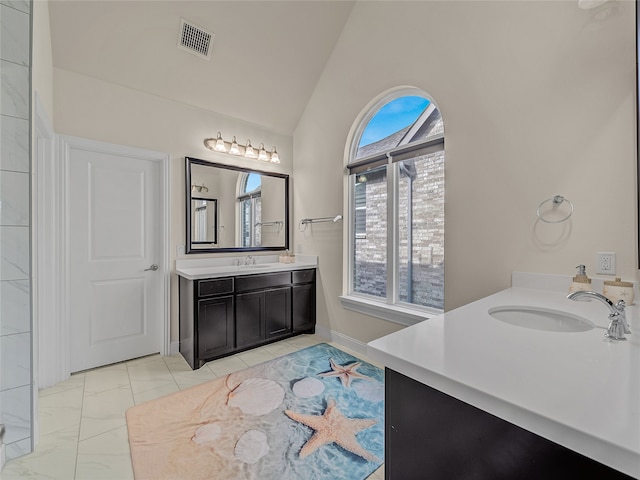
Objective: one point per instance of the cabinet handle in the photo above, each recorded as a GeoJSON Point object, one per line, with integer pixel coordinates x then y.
{"type": "Point", "coordinates": [153, 268]}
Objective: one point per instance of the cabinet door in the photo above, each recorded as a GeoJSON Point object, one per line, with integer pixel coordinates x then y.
{"type": "Point", "coordinates": [304, 307]}
{"type": "Point", "coordinates": [215, 326]}
{"type": "Point", "coordinates": [277, 312]}
{"type": "Point", "coordinates": [249, 318]}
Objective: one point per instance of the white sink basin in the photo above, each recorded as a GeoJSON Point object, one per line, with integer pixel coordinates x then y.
{"type": "Point", "coordinates": [541, 319]}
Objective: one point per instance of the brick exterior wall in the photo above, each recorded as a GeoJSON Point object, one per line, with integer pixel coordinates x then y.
{"type": "Point", "coordinates": [424, 285]}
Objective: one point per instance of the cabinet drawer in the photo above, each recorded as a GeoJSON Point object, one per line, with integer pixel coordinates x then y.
{"type": "Point", "coordinates": [253, 282]}
{"type": "Point", "coordinates": [304, 276]}
{"type": "Point", "coordinates": [215, 286]}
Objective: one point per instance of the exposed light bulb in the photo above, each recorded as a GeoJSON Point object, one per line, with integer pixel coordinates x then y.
{"type": "Point", "coordinates": [249, 152]}
{"type": "Point", "coordinates": [235, 149]}
{"type": "Point", "coordinates": [220, 146]}
{"type": "Point", "coordinates": [262, 153]}
{"type": "Point", "coordinates": [275, 158]}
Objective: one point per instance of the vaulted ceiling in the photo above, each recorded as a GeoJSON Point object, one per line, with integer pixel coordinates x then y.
{"type": "Point", "coordinates": [266, 56]}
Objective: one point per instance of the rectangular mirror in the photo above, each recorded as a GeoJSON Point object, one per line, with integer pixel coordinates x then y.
{"type": "Point", "coordinates": [204, 221]}
{"type": "Point", "coordinates": [234, 209]}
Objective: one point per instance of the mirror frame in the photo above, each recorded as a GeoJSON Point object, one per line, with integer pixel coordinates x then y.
{"type": "Point", "coordinates": [215, 219]}
{"type": "Point", "coordinates": [188, 244]}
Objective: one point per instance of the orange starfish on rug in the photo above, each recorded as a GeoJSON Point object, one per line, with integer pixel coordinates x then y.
{"type": "Point", "coordinates": [346, 373]}
{"type": "Point", "coordinates": [333, 427]}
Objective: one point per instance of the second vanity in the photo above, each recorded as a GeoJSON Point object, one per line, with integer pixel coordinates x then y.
{"type": "Point", "coordinates": [471, 396]}
{"type": "Point", "coordinates": [233, 304]}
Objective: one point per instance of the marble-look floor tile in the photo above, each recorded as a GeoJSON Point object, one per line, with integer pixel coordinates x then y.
{"type": "Point", "coordinates": [150, 376]}
{"type": "Point", "coordinates": [104, 411]}
{"type": "Point", "coordinates": [152, 394]}
{"type": "Point", "coordinates": [279, 349]}
{"type": "Point", "coordinates": [83, 433]}
{"type": "Point", "coordinates": [192, 378]}
{"type": "Point", "coordinates": [226, 365]}
{"type": "Point", "coordinates": [53, 459]}
{"type": "Point", "coordinates": [106, 378]}
{"type": "Point", "coordinates": [107, 467]}
{"type": "Point", "coordinates": [74, 381]}
{"type": "Point", "coordinates": [256, 356]}
{"type": "Point", "coordinates": [113, 442]}
{"type": "Point", "coordinates": [60, 411]}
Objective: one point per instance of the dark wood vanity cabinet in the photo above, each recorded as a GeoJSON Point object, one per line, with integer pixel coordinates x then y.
{"type": "Point", "coordinates": [222, 316]}
{"type": "Point", "coordinates": [429, 434]}
{"type": "Point", "coordinates": [303, 295]}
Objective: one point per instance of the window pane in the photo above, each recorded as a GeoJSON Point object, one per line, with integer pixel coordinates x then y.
{"type": "Point", "coordinates": [421, 230]}
{"type": "Point", "coordinates": [370, 232]}
{"type": "Point", "coordinates": [257, 219]}
{"type": "Point", "coordinates": [245, 207]}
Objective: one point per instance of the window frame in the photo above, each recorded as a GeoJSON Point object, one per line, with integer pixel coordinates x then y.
{"type": "Point", "coordinates": [389, 307]}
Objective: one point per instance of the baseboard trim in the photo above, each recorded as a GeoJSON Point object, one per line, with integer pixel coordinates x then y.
{"type": "Point", "coordinates": [342, 339]}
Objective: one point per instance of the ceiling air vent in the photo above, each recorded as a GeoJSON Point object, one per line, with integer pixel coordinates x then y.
{"type": "Point", "coordinates": [194, 39]}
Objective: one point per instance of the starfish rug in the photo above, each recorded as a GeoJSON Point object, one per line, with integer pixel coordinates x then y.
{"type": "Point", "coordinates": [315, 414]}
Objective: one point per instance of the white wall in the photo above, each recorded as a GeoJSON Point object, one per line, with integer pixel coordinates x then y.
{"type": "Point", "coordinates": [89, 108]}
{"type": "Point", "coordinates": [537, 100]}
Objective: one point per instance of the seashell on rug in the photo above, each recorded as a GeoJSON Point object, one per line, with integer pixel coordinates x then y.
{"type": "Point", "coordinates": [251, 446]}
{"type": "Point", "coordinates": [256, 396]}
{"type": "Point", "coordinates": [308, 387]}
{"type": "Point", "coordinates": [206, 433]}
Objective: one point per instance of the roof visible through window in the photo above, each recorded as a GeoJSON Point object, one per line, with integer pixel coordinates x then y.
{"type": "Point", "coordinates": [393, 117]}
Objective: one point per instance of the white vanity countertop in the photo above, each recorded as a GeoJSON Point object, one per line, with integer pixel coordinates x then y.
{"type": "Point", "coordinates": [580, 389]}
{"type": "Point", "coordinates": [199, 268]}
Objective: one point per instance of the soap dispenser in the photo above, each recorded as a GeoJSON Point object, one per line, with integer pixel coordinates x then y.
{"type": "Point", "coordinates": [580, 282]}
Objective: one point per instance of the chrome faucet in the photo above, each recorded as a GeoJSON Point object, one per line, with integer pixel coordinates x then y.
{"type": "Point", "coordinates": [618, 325]}
{"type": "Point", "coordinates": [248, 260]}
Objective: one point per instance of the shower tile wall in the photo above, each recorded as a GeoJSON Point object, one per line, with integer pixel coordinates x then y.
{"type": "Point", "coordinates": [15, 280]}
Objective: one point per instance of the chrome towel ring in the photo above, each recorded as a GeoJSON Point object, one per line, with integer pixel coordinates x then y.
{"type": "Point", "coordinates": [556, 201]}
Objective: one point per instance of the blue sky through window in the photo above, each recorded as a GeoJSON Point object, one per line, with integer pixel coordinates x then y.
{"type": "Point", "coordinates": [392, 117]}
{"type": "Point", "coordinates": [253, 182]}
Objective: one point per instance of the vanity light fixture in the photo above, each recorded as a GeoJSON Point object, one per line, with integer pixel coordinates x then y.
{"type": "Point", "coordinates": [218, 144]}
{"type": "Point", "coordinates": [249, 152]}
{"type": "Point", "coordinates": [275, 158]}
{"type": "Point", "coordinates": [235, 148]}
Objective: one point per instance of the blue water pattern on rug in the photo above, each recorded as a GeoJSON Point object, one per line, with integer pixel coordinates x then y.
{"type": "Point", "coordinates": [364, 399]}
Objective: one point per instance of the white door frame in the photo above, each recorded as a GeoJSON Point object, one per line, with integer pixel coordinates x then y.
{"type": "Point", "coordinates": [55, 205]}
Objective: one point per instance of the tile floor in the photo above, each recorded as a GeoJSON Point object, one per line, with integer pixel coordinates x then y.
{"type": "Point", "coordinates": [83, 432]}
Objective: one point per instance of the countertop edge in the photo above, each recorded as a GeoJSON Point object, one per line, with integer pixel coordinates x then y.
{"type": "Point", "coordinates": [208, 272]}
{"type": "Point", "coordinates": [624, 460]}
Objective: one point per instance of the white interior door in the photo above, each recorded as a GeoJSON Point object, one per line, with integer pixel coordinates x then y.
{"type": "Point", "coordinates": [115, 232]}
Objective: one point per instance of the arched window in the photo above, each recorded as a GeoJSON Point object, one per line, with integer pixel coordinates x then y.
{"type": "Point", "coordinates": [250, 206]}
{"type": "Point", "coordinates": [396, 192]}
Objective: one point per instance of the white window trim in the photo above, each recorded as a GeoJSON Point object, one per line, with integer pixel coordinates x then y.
{"type": "Point", "coordinates": [403, 314]}
{"type": "Point", "coordinates": [393, 313]}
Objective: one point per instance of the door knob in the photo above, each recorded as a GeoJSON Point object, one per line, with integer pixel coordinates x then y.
{"type": "Point", "coordinates": [153, 268]}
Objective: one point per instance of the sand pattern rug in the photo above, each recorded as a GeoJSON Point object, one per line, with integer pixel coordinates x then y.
{"type": "Point", "coordinates": [315, 414]}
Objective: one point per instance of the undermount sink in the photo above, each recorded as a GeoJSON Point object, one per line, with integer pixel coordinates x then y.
{"type": "Point", "coordinates": [537, 318]}
{"type": "Point", "coordinates": [263, 265]}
